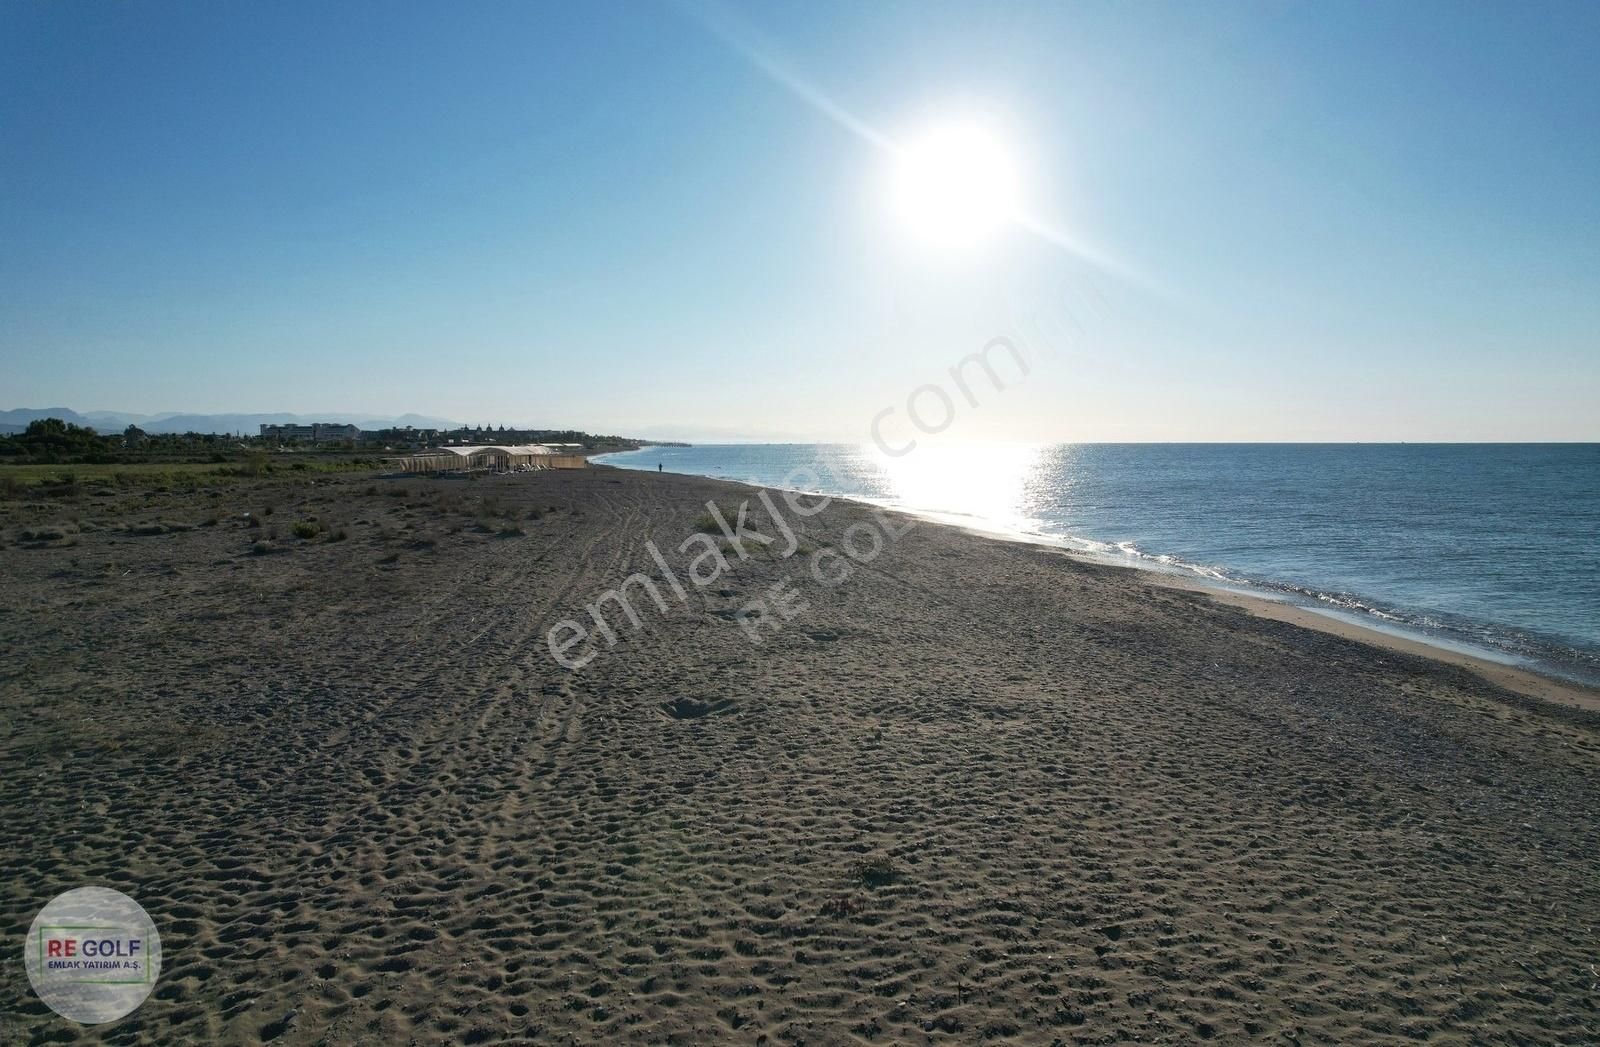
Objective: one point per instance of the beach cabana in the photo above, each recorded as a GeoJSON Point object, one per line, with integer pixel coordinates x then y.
{"type": "Point", "coordinates": [488, 457]}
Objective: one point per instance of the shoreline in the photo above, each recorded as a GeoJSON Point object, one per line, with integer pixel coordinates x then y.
{"type": "Point", "coordinates": [1521, 679]}
{"type": "Point", "coordinates": [1518, 679]}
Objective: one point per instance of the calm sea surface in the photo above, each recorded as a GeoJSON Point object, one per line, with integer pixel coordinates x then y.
{"type": "Point", "coordinates": [1493, 548]}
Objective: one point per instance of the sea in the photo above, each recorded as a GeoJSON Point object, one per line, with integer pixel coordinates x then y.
{"type": "Point", "coordinates": [1489, 549]}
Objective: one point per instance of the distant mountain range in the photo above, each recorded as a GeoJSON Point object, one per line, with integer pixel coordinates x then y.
{"type": "Point", "coordinates": [16, 420]}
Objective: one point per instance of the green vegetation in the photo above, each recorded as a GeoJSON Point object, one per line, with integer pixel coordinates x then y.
{"type": "Point", "coordinates": [707, 524]}
{"type": "Point", "coordinates": [54, 458]}
{"type": "Point", "coordinates": [416, 439]}
{"type": "Point", "coordinates": [17, 481]}
{"type": "Point", "coordinates": [50, 441]}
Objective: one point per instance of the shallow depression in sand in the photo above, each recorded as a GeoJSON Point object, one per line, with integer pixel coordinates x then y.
{"type": "Point", "coordinates": [694, 709]}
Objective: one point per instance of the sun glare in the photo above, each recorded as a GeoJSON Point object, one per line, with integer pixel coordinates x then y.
{"type": "Point", "coordinates": [955, 186]}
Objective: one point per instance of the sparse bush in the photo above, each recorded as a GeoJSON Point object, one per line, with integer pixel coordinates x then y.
{"type": "Point", "coordinates": [338, 535]}
{"type": "Point", "coordinates": [752, 550]}
{"type": "Point", "coordinates": [875, 871]}
{"type": "Point", "coordinates": [262, 548]}
{"type": "Point", "coordinates": [842, 906]}
{"type": "Point", "coordinates": [306, 530]}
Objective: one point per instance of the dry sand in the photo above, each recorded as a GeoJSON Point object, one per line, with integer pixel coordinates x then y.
{"type": "Point", "coordinates": [980, 792]}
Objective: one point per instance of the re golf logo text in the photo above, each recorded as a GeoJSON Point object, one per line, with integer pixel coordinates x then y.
{"type": "Point", "coordinates": [97, 951]}
{"type": "Point", "coordinates": [93, 955]}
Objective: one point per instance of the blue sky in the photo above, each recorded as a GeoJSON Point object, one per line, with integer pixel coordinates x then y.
{"type": "Point", "coordinates": [1320, 221]}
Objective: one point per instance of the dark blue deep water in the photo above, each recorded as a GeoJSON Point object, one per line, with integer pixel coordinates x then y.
{"type": "Point", "coordinates": [1495, 547]}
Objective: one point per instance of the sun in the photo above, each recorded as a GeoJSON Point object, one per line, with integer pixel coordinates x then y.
{"type": "Point", "coordinates": [954, 186]}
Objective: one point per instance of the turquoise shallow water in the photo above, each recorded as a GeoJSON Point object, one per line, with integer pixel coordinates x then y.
{"type": "Point", "coordinates": [1490, 547]}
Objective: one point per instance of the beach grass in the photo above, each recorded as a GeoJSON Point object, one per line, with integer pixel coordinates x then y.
{"type": "Point", "coordinates": [20, 479]}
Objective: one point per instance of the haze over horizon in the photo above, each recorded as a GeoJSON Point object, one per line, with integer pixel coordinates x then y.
{"type": "Point", "coordinates": [1238, 222]}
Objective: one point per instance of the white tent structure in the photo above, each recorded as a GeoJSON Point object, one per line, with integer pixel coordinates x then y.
{"type": "Point", "coordinates": [489, 457]}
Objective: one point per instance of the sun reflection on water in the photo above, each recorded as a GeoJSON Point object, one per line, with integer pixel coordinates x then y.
{"type": "Point", "coordinates": [986, 485]}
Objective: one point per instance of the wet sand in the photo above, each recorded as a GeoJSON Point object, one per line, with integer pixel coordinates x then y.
{"type": "Point", "coordinates": [977, 791]}
{"type": "Point", "coordinates": [1514, 678]}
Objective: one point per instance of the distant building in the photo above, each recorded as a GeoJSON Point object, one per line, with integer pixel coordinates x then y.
{"type": "Point", "coordinates": [287, 432]}
{"type": "Point", "coordinates": [316, 433]}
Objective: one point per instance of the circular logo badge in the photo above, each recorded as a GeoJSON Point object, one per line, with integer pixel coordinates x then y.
{"type": "Point", "coordinates": [93, 955]}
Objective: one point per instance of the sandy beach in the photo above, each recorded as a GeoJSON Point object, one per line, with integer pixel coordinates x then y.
{"type": "Point", "coordinates": [974, 792]}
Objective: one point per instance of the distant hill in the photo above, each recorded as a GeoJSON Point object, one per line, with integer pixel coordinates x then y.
{"type": "Point", "coordinates": [16, 419]}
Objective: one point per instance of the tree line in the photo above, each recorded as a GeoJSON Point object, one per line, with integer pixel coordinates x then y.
{"type": "Point", "coordinates": [51, 441]}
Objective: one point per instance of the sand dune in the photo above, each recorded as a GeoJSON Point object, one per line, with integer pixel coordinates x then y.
{"type": "Point", "coordinates": [978, 792]}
